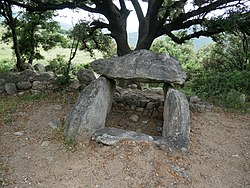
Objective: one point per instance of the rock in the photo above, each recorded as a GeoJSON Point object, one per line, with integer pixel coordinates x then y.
{"type": "Point", "coordinates": [90, 111]}
{"type": "Point", "coordinates": [2, 89]}
{"type": "Point", "coordinates": [27, 75]}
{"type": "Point", "coordinates": [150, 106]}
{"type": "Point", "coordinates": [176, 124]}
{"type": "Point", "coordinates": [24, 85]}
{"type": "Point", "coordinates": [45, 143]}
{"type": "Point", "coordinates": [2, 82]}
{"type": "Point", "coordinates": [141, 66]}
{"type": "Point", "coordinates": [45, 76]}
{"type": "Point", "coordinates": [134, 118]}
{"type": "Point", "coordinates": [37, 85]}
{"type": "Point", "coordinates": [10, 88]}
{"type": "Point", "coordinates": [27, 66]}
{"type": "Point", "coordinates": [111, 136]}
{"type": "Point", "coordinates": [133, 86]}
{"type": "Point", "coordinates": [194, 99]}
{"type": "Point", "coordinates": [197, 107]}
{"type": "Point", "coordinates": [19, 133]}
{"type": "Point", "coordinates": [57, 107]}
{"type": "Point", "coordinates": [85, 76]}
{"type": "Point", "coordinates": [75, 84]}
{"type": "Point", "coordinates": [40, 68]}
{"type": "Point", "coordinates": [180, 171]}
{"type": "Point", "coordinates": [55, 124]}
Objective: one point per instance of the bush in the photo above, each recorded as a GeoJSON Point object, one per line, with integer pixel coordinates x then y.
{"type": "Point", "coordinates": [229, 88]}
{"type": "Point", "coordinates": [6, 66]}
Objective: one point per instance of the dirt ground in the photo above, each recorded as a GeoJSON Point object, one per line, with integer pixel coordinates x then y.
{"type": "Point", "coordinates": [32, 154]}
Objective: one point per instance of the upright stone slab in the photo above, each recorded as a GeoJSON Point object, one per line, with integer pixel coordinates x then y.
{"type": "Point", "coordinates": [90, 111]}
{"type": "Point", "coordinates": [176, 125]}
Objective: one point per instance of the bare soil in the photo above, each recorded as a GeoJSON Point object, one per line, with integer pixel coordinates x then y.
{"type": "Point", "coordinates": [32, 154]}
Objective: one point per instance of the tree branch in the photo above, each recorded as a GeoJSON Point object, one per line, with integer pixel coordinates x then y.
{"type": "Point", "coordinates": [205, 9]}
{"type": "Point", "coordinates": [51, 6]}
{"type": "Point", "coordinates": [138, 10]}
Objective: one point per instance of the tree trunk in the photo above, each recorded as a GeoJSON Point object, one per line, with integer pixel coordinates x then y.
{"type": "Point", "coordinates": [19, 63]}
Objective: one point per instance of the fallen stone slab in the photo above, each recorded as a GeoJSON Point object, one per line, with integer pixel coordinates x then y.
{"type": "Point", "coordinates": [141, 66]}
{"type": "Point", "coordinates": [91, 108]}
{"type": "Point", "coordinates": [172, 144]}
{"type": "Point", "coordinates": [111, 136]}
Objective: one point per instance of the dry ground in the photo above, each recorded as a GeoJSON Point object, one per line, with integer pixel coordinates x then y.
{"type": "Point", "coordinates": [32, 154]}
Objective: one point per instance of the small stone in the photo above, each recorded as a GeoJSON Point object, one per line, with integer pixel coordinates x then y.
{"type": "Point", "coordinates": [134, 118]}
{"type": "Point", "coordinates": [194, 99]}
{"type": "Point", "coordinates": [55, 124]}
{"type": "Point", "coordinates": [2, 82]}
{"type": "Point", "coordinates": [133, 86]}
{"type": "Point", "coordinates": [145, 122]}
{"type": "Point", "coordinates": [10, 88]}
{"type": "Point", "coordinates": [139, 109]}
{"type": "Point", "coordinates": [150, 105]}
{"type": "Point", "coordinates": [19, 133]}
{"type": "Point", "coordinates": [57, 107]}
{"type": "Point", "coordinates": [37, 85]}
{"type": "Point", "coordinates": [235, 155]}
{"type": "Point", "coordinates": [24, 85]}
{"type": "Point", "coordinates": [133, 107]}
{"type": "Point", "coordinates": [2, 89]}
{"type": "Point", "coordinates": [45, 143]}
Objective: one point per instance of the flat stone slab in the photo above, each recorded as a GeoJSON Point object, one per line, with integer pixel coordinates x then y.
{"type": "Point", "coordinates": [111, 136]}
{"type": "Point", "coordinates": [142, 66]}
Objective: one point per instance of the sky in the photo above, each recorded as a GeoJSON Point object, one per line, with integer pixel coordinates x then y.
{"type": "Point", "coordinates": [71, 17]}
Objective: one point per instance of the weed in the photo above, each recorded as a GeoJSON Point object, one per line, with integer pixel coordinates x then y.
{"type": "Point", "coordinates": [70, 144]}
{"type": "Point", "coordinates": [34, 97]}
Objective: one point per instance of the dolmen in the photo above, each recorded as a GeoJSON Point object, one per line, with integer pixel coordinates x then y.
{"type": "Point", "coordinates": [89, 113]}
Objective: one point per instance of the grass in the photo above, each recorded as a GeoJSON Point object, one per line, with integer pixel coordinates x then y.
{"type": "Point", "coordinates": [6, 53]}
{"type": "Point", "coordinates": [9, 104]}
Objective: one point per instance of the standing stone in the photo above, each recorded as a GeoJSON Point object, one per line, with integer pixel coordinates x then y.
{"type": "Point", "coordinates": [90, 111]}
{"type": "Point", "coordinates": [176, 125]}
{"type": "Point", "coordinates": [10, 88]}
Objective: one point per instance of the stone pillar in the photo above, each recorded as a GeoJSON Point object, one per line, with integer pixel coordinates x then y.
{"type": "Point", "coordinates": [91, 109]}
{"type": "Point", "coordinates": [176, 125]}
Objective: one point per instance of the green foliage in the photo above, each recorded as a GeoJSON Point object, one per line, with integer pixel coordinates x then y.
{"type": "Point", "coordinates": [6, 66]}
{"type": "Point", "coordinates": [59, 65]}
{"type": "Point", "coordinates": [34, 32]}
{"type": "Point", "coordinates": [91, 39]}
{"type": "Point", "coordinates": [70, 144]}
{"type": "Point", "coordinates": [184, 53]}
{"type": "Point", "coordinates": [228, 88]}
{"type": "Point", "coordinates": [34, 97]}
{"type": "Point", "coordinates": [230, 53]}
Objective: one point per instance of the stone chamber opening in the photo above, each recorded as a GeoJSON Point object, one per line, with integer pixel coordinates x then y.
{"type": "Point", "coordinates": [137, 110]}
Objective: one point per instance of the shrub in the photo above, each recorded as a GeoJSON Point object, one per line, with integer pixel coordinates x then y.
{"type": "Point", "coordinates": [229, 88]}
{"type": "Point", "coordinates": [6, 66]}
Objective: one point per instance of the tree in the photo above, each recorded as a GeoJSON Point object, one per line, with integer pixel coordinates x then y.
{"type": "Point", "coordinates": [184, 53]}
{"type": "Point", "coordinates": [163, 17]}
{"type": "Point", "coordinates": [230, 53]}
{"type": "Point", "coordinates": [32, 33]}
{"type": "Point", "coordinates": [6, 12]}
